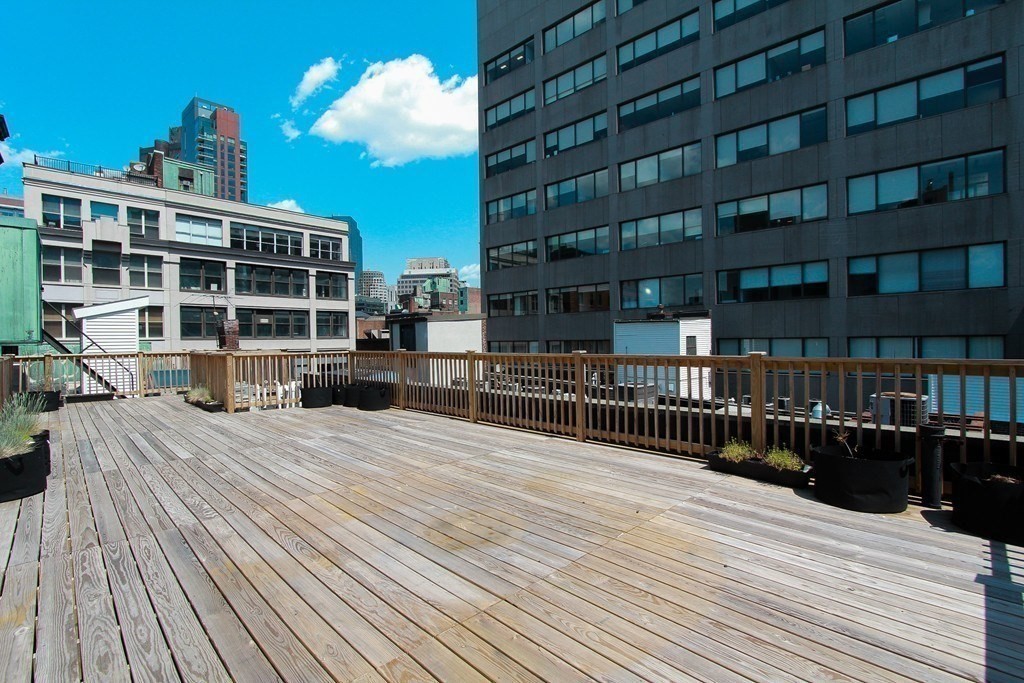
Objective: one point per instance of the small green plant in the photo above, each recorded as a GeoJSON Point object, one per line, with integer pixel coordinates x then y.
{"type": "Point", "coordinates": [738, 451]}
{"type": "Point", "coordinates": [19, 422]}
{"type": "Point", "coordinates": [200, 394]}
{"type": "Point", "coordinates": [783, 459]}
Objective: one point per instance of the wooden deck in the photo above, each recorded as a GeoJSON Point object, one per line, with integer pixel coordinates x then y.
{"type": "Point", "coordinates": [332, 544]}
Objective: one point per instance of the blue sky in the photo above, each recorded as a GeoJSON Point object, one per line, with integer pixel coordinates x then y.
{"type": "Point", "coordinates": [95, 80]}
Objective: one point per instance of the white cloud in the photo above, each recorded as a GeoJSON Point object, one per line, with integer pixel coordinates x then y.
{"type": "Point", "coordinates": [289, 130]}
{"type": "Point", "coordinates": [402, 112]}
{"type": "Point", "coordinates": [275, 116]}
{"type": "Point", "coordinates": [287, 205]}
{"type": "Point", "coordinates": [470, 273]}
{"type": "Point", "coordinates": [13, 155]}
{"type": "Point", "coordinates": [315, 78]}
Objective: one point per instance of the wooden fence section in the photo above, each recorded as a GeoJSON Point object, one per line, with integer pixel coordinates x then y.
{"type": "Point", "coordinates": [6, 377]}
{"type": "Point", "coordinates": [683, 405]}
{"type": "Point", "coordinates": [120, 375]}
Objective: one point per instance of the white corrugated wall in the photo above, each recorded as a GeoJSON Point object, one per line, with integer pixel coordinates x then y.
{"type": "Point", "coordinates": [115, 333]}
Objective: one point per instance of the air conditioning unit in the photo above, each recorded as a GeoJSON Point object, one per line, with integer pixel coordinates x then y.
{"type": "Point", "coordinates": [913, 409]}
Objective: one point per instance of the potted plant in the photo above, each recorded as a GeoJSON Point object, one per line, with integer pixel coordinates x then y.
{"type": "Point", "coordinates": [202, 397]}
{"type": "Point", "coordinates": [861, 480]}
{"type": "Point", "coordinates": [777, 465]}
{"type": "Point", "coordinates": [988, 500]}
{"type": "Point", "coordinates": [24, 448]}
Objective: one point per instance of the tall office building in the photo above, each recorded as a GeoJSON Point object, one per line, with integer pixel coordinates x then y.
{"type": "Point", "coordinates": [210, 134]}
{"type": "Point", "coordinates": [826, 178]}
{"type": "Point", "coordinates": [355, 241]}
{"type": "Point", "coordinates": [373, 285]}
{"type": "Point", "coordinates": [419, 270]}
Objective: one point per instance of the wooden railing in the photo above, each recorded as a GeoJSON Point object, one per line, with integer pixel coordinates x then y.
{"type": "Point", "coordinates": [684, 405]}
{"type": "Point", "coordinates": [120, 375]}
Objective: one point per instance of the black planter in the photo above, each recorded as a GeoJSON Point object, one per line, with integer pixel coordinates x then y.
{"type": "Point", "coordinates": [756, 469]}
{"type": "Point", "coordinates": [212, 407]}
{"type": "Point", "coordinates": [42, 441]}
{"type": "Point", "coordinates": [317, 397]}
{"type": "Point", "coordinates": [375, 397]}
{"type": "Point", "coordinates": [338, 395]}
{"type": "Point", "coordinates": [873, 481]}
{"type": "Point", "coordinates": [24, 475]}
{"type": "Point", "coordinates": [991, 509]}
{"type": "Point", "coordinates": [351, 399]}
{"type": "Point", "coordinates": [51, 400]}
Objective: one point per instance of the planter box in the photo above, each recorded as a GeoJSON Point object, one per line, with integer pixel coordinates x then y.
{"type": "Point", "coordinates": [338, 395]}
{"type": "Point", "coordinates": [317, 397]}
{"type": "Point", "coordinates": [51, 400]}
{"type": "Point", "coordinates": [25, 475]}
{"type": "Point", "coordinates": [991, 509]}
{"type": "Point", "coordinates": [351, 399]}
{"type": "Point", "coordinates": [374, 398]}
{"type": "Point", "coordinates": [755, 469]}
{"type": "Point", "coordinates": [873, 481]}
{"type": "Point", "coordinates": [214, 407]}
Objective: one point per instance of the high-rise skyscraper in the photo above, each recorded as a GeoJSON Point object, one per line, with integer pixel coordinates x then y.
{"type": "Point", "coordinates": [825, 178]}
{"type": "Point", "coordinates": [419, 270]}
{"type": "Point", "coordinates": [210, 134]}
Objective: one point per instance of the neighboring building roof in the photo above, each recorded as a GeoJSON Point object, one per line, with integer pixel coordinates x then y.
{"type": "Point", "coordinates": [97, 310]}
{"type": "Point", "coordinates": [433, 317]}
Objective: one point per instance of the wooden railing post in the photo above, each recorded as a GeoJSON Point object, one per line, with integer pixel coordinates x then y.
{"type": "Point", "coordinates": [757, 401]}
{"type": "Point", "coordinates": [352, 367]}
{"type": "Point", "coordinates": [400, 357]}
{"type": "Point", "coordinates": [229, 382]}
{"type": "Point", "coordinates": [48, 372]}
{"type": "Point", "coordinates": [140, 374]}
{"type": "Point", "coordinates": [471, 384]}
{"type": "Point", "coordinates": [581, 399]}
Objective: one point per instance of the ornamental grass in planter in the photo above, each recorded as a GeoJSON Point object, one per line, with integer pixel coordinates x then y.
{"type": "Point", "coordinates": [777, 465]}
{"type": "Point", "coordinates": [202, 397]}
{"type": "Point", "coordinates": [24, 448]}
{"type": "Point", "coordinates": [863, 480]}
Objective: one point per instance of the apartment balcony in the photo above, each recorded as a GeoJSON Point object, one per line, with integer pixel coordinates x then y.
{"type": "Point", "coordinates": [336, 544]}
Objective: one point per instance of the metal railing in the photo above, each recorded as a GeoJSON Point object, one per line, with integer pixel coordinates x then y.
{"type": "Point", "coordinates": [78, 168]}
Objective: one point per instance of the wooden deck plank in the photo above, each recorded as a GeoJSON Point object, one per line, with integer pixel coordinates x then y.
{"type": "Point", "coordinates": [315, 545]}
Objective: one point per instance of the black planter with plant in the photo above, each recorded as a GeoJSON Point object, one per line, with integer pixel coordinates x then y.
{"type": "Point", "coordinates": [861, 480]}
{"type": "Point", "coordinates": [776, 466]}
{"type": "Point", "coordinates": [24, 448]}
{"type": "Point", "coordinates": [988, 500]}
{"type": "Point", "coordinates": [202, 397]}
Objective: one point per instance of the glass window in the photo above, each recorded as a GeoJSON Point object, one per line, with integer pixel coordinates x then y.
{"type": "Point", "coordinates": [986, 266]}
{"type": "Point", "coordinates": [197, 230]}
{"type": "Point", "coordinates": [942, 181]}
{"type": "Point", "coordinates": [106, 263]}
{"type": "Point", "coordinates": [144, 223]}
{"type": "Point", "coordinates": [784, 135]}
{"type": "Point", "coordinates": [985, 174]}
{"type": "Point", "coordinates": [648, 293]}
{"type": "Point", "coordinates": [898, 273]}
{"type": "Point", "coordinates": [897, 188]}
{"type": "Point", "coordinates": [943, 347]}
{"type": "Point", "coordinates": [990, 348]}
{"type": "Point", "coordinates": [941, 93]}
{"type": "Point", "coordinates": [103, 210]}
{"type": "Point", "coordinates": [860, 114]}
{"type": "Point", "coordinates": [985, 81]}
{"type": "Point", "coordinates": [896, 104]}
{"type": "Point", "coordinates": [943, 269]}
